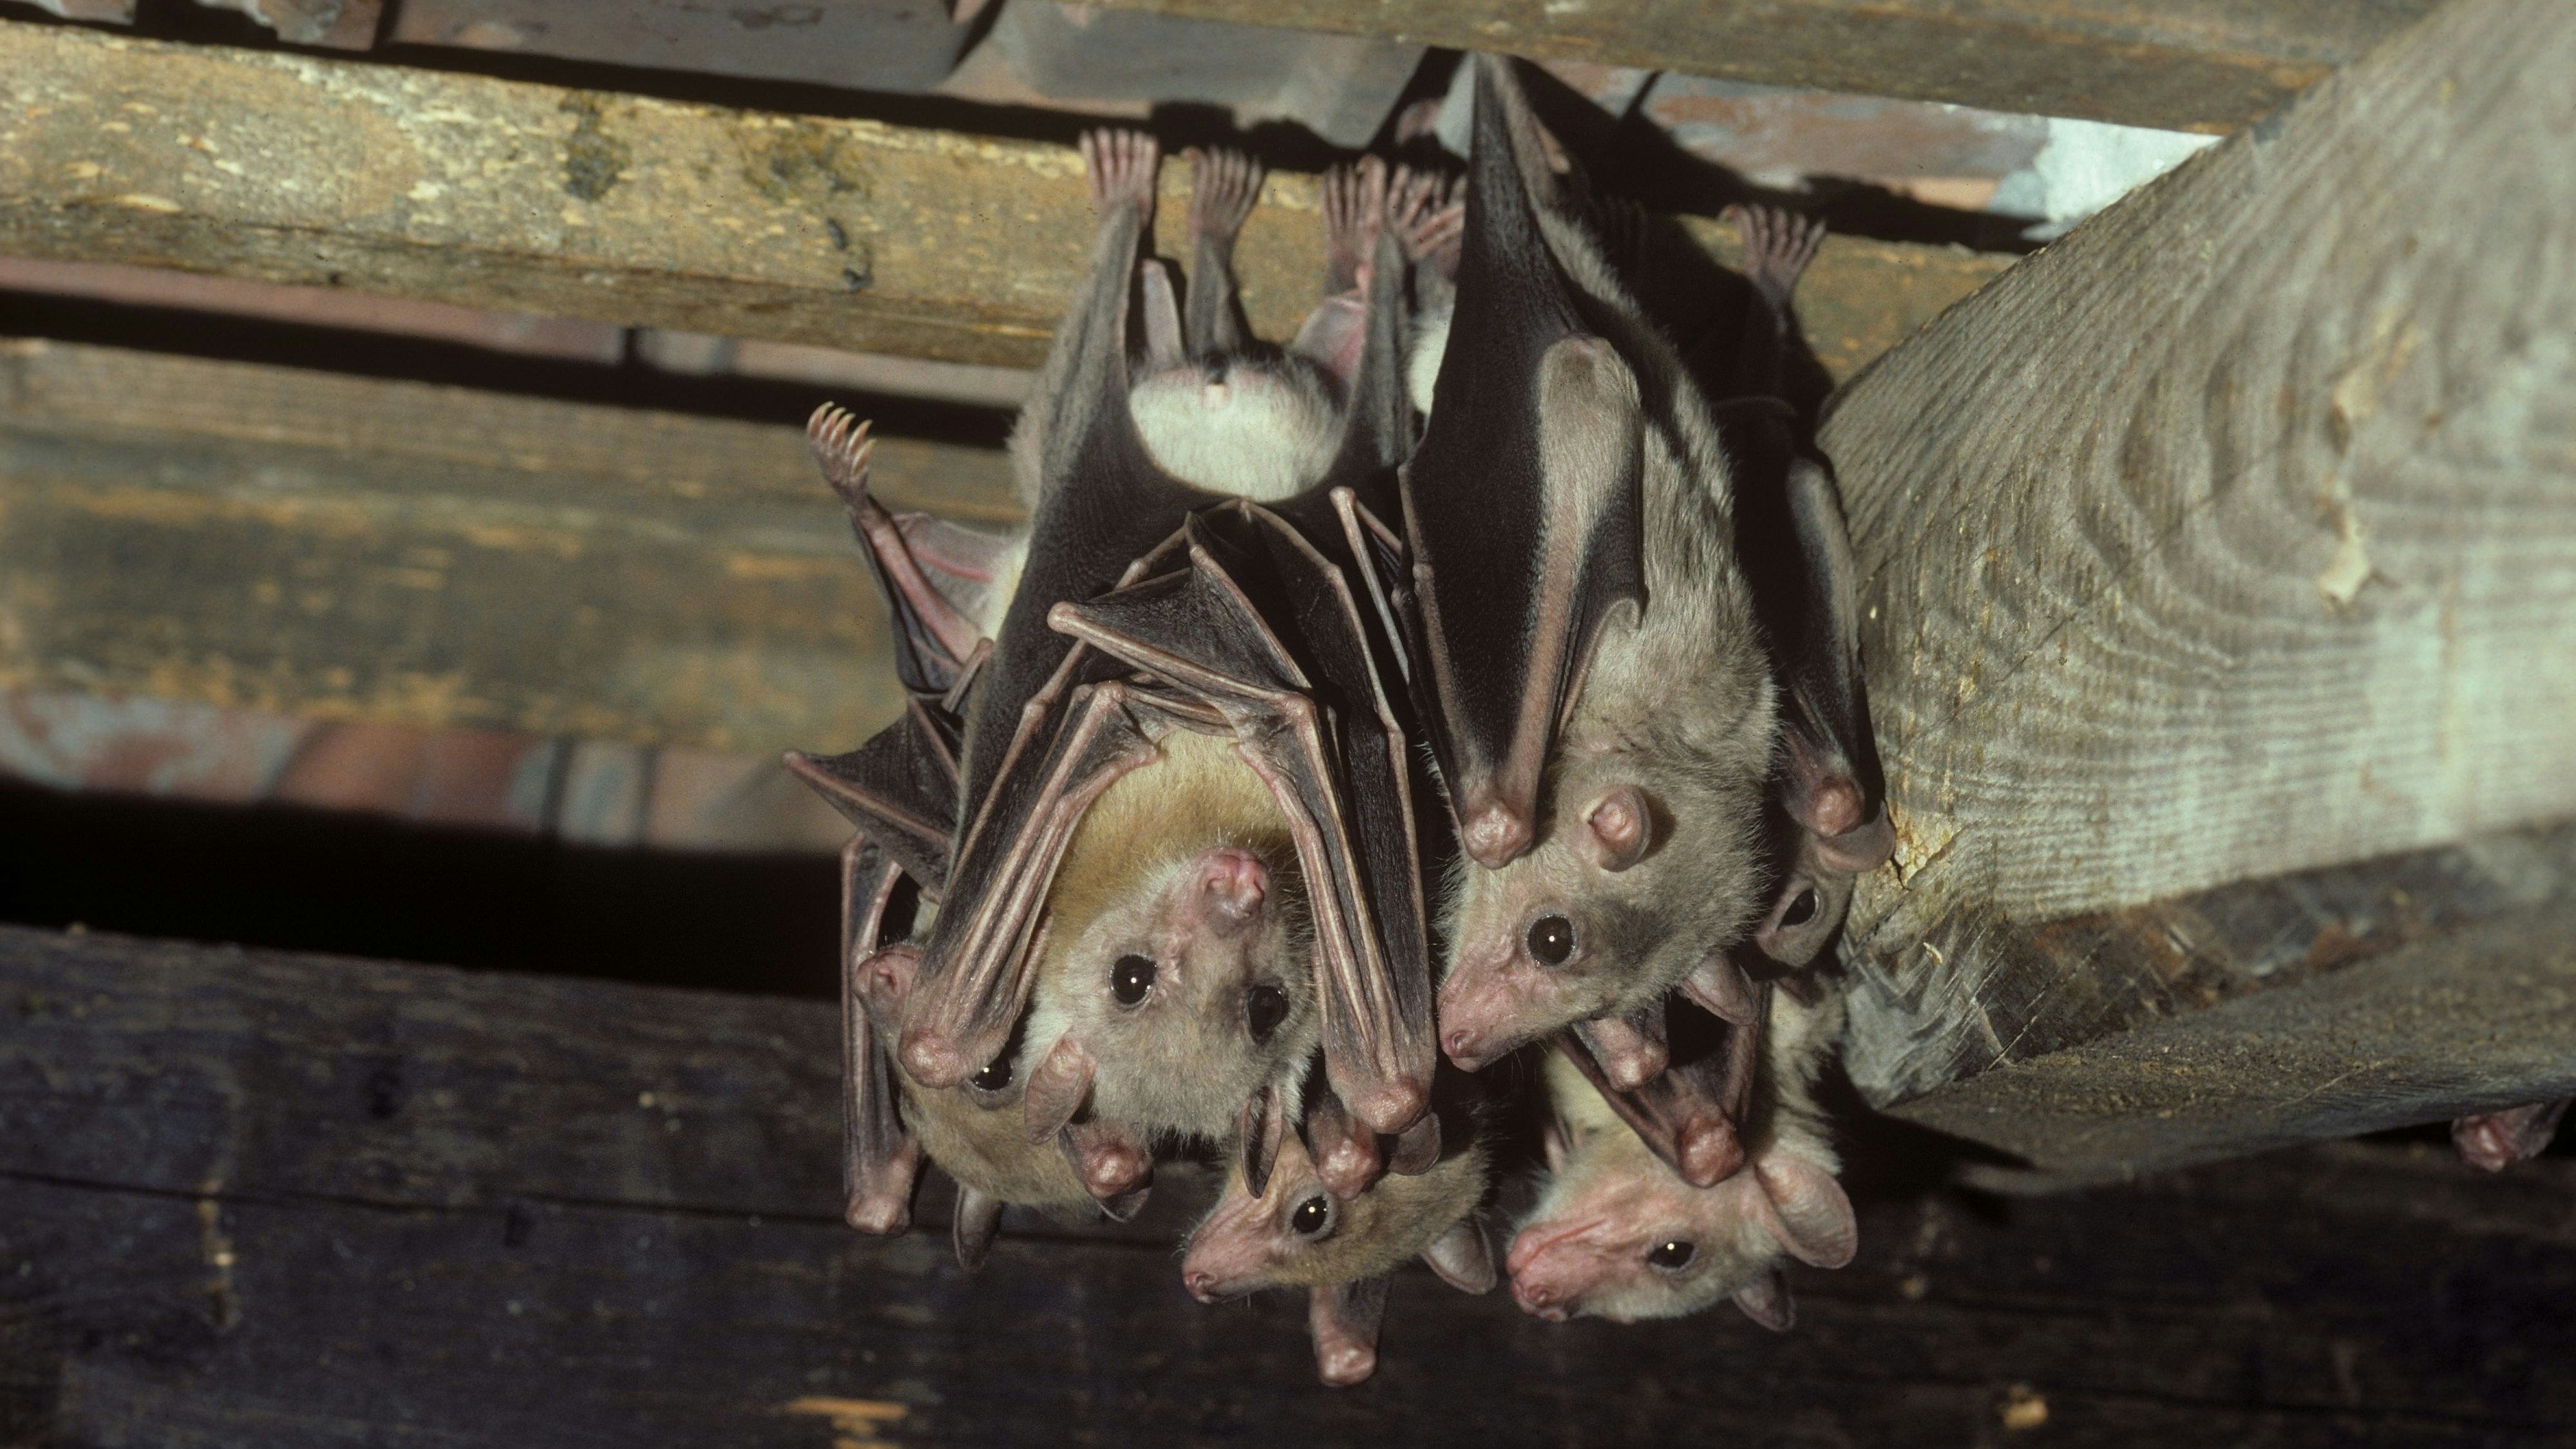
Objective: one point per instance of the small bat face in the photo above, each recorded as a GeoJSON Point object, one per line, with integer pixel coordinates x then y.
{"type": "Point", "coordinates": [1178, 959]}
{"type": "Point", "coordinates": [1298, 1234]}
{"type": "Point", "coordinates": [1617, 1235]}
{"type": "Point", "coordinates": [1233, 425]}
{"type": "Point", "coordinates": [1642, 872]}
{"type": "Point", "coordinates": [1192, 990]}
{"type": "Point", "coordinates": [1639, 1243]}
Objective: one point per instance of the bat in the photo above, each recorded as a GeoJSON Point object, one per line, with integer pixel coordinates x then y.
{"type": "Point", "coordinates": [1588, 639]}
{"type": "Point", "coordinates": [1830, 824]}
{"type": "Point", "coordinates": [899, 790]}
{"type": "Point", "coordinates": [1686, 1116]}
{"type": "Point", "coordinates": [2498, 1140]}
{"type": "Point", "coordinates": [1615, 1234]}
{"type": "Point", "coordinates": [1052, 727]}
{"type": "Point", "coordinates": [1298, 1232]}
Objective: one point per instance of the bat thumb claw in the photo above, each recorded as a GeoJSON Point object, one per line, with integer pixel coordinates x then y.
{"type": "Point", "coordinates": [1495, 836]}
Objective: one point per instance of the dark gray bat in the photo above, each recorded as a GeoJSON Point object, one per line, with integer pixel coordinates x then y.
{"type": "Point", "coordinates": [1615, 1234]}
{"type": "Point", "coordinates": [1593, 679]}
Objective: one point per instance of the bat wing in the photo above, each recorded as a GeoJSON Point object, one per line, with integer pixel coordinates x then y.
{"type": "Point", "coordinates": [899, 789]}
{"type": "Point", "coordinates": [1522, 502]}
{"type": "Point", "coordinates": [1046, 726]}
{"type": "Point", "coordinates": [1826, 779]}
{"type": "Point", "coordinates": [1266, 632]}
{"type": "Point", "coordinates": [881, 1159]}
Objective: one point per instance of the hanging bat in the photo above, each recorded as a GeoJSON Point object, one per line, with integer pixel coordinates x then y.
{"type": "Point", "coordinates": [1588, 639]}
{"type": "Point", "coordinates": [2498, 1140]}
{"type": "Point", "coordinates": [1616, 1235]}
{"type": "Point", "coordinates": [1831, 824]}
{"type": "Point", "coordinates": [1299, 1233]}
{"type": "Point", "coordinates": [899, 789]}
{"type": "Point", "coordinates": [1173, 972]}
{"type": "Point", "coordinates": [1094, 718]}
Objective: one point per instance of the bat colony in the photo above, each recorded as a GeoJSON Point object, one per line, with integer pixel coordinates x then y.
{"type": "Point", "coordinates": [1466, 677]}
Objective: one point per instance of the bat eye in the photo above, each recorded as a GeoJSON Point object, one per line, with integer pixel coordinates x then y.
{"type": "Point", "coordinates": [1672, 1255]}
{"type": "Point", "coordinates": [995, 1076]}
{"type": "Point", "coordinates": [1312, 1216]}
{"type": "Point", "coordinates": [1801, 910]}
{"type": "Point", "coordinates": [1264, 1007]}
{"type": "Point", "coordinates": [1551, 940]}
{"type": "Point", "coordinates": [1130, 979]}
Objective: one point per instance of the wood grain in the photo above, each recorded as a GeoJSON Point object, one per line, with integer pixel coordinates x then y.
{"type": "Point", "coordinates": [843, 233]}
{"type": "Point", "coordinates": [2234, 536]}
{"type": "Point", "coordinates": [251, 1197]}
{"type": "Point", "coordinates": [2200, 65]}
{"type": "Point", "coordinates": [335, 546]}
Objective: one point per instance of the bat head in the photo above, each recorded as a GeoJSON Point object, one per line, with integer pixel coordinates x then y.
{"type": "Point", "coordinates": [1259, 430]}
{"type": "Point", "coordinates": [1298, 1234]}
{"type": "Point", "coordinates": [1176, 981]}
{"type": "Point", "coordinates": [1648, 861]}
{"type": "Point", "coordinates": [1617, 1235]}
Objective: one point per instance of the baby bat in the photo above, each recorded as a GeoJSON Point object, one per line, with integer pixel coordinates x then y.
{"type": "Point", "coordinates": [1616, 1235]}
{"type": "Point", "coordinates": [1636, 701]}
{"type": "Point", "coordinates": [1299, 1232]}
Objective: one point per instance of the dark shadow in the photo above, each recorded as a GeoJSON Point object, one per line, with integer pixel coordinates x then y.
{"type": "Point", "coordinates": [311, 880]}
{"type": "Point", "coordinates": [630, 383]}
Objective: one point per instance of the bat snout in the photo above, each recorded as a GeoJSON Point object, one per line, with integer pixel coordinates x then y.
{"type": "Point", "coordinates": [1552, 1267]}
{"type": "Point", "coordinates": [1202, 1285]}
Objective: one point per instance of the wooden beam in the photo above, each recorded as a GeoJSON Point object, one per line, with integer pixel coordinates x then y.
{"type": "Point", "coordinates": [851, 234]}
{"type": "Point", "coordinates": [253, 1197]}
{"type": "Point", "coordinates": [2228, 540]}
{"type": "Point", "coordinates": [336, 546]}
{"type": "Point", "coordinates": [2209, 65]}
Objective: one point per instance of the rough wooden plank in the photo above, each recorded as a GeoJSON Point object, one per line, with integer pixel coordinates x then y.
{"type": "Point", "coordinates": [2234, 536]}
{"type": "Point", "coordinates": [336, 546]}
{"type": "Point", "coordinates": [294, 1201]}
{"type": "Point", "coordinates": [2202, 65]}
{"type": "Point", "coordinates": [844, 233]}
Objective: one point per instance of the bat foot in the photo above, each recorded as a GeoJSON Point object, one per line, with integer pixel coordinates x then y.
{"type": "Point", "coordinates": [841, 447]}
{"type": "Point", "coordinates": [1354, 208]}
{"type": "Point", "coordinates": [1122, 167]}
{"type": "Point", "coordinates": [1777, 247]}
{"type": "Point", "coordinates": [1224, 185]}
{"type": "Point", "coordinates": [1428, 218]}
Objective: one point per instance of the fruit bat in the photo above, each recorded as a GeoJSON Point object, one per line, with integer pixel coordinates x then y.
{"type": "Point", "coordinates": [1830, 824]}
{"type": "Point", "coordinates": [899, 790]}
{"type": "Point", "coordinates": [1086, 682]}
{"type": "Point", "coordinates": [2498, 1140]}
{"type": "Point", "coordinates": [1588, 641]}
{"type": "Point", "coordinates": [1298, 1232]}
{"type": "Point", "coordinates": [1617, 1235]}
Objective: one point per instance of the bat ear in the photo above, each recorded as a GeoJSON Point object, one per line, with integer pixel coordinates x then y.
{"type": "Point", "coordinates": [1343, 1319]}
{"type": "Point", "coordinates": [1417, 1147]}
{"type": "Point", "coordinates": [1767, 1302]}
{"type": "Point", "coordinates": [1056, 1089]}
{"type": "Point", "coordinates": [1806, 911]}
{"type": "Point", "coordinates": [978, 1222]}
{"type": "Point", "coordinates": [1462, 1257]}
{"type": "Point", "coordinates": [884, 979]}
{"type": "Point", "coordinates": [1620, 828]}
{"type": "Point", "coordinates": [1806, 1210]}
{"type": "Point", "coordinates": [1164, 349]}
{"type": "Point", "coordinates": [1720, 988]}
{"type": "Point", "coordinates": [1264, 1126]}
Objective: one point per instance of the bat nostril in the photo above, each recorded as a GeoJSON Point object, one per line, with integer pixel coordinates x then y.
{"type": "Point", "coordinates": [1202, 1285]}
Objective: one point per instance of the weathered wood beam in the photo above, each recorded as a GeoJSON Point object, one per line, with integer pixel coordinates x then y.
{"type": "Point", "coordinates": [851, 234]}
{"type": "Point", "coordinates": [2207, 65]}
{"type": "Point", "coordinates": [2227, 540]}
{"type": "Point", "coordinates": [249, 1197]}
{"type": "Point", "coordinates": [328, 545]}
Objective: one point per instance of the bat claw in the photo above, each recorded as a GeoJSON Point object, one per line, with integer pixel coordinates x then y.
{"type": "Point", "coordinates": [1495, 836]}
